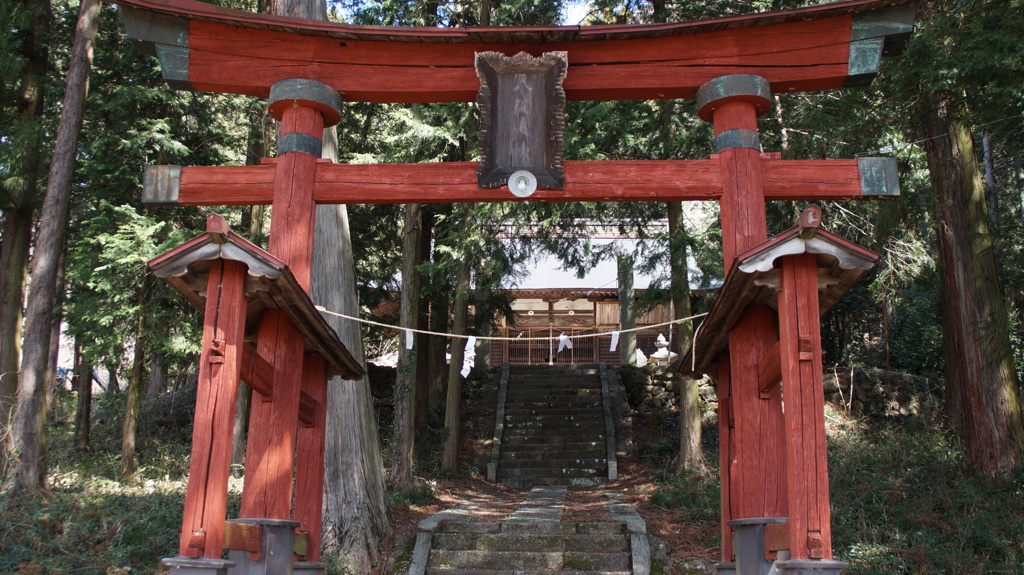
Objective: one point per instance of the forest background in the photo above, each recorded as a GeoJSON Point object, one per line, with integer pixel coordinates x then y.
{"type": "Point", "coordinates": [944, 303]}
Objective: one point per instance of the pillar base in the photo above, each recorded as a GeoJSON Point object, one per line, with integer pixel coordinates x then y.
{"type": "Point", "coordinates": [811, 567]}
{"type": "Point", "coordinates": [277, 549]}
{"type": "Point", "coordinates": [196, 565]}
{"type": "Point", "coordinates": [726, 568]}
{"type": "Point", "coordinates": [308, 568]}
{"type": "Point", "coordinates": [748, 544]}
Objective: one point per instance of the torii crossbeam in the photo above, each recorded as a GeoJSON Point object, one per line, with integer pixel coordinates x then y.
{"type": "Point", "coordinates": [732, 66]}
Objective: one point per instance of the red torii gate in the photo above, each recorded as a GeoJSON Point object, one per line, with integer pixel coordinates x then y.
{"type": "Point", "coordinates": [731, 65]}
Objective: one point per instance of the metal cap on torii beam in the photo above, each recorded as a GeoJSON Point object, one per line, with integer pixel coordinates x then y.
{"type": "Point", "coordinates": [305, 92]}
{"type": "Point", "coordinates": [733, 88]}
{"type": "Point", "coordinates": [748, 88]}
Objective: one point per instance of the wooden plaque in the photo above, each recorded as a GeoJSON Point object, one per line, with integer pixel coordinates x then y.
{"type": "Point", "coordinates": [521, 102]}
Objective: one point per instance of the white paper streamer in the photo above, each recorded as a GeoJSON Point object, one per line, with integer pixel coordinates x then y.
{"type": "Point", "coordinates": [563, 342]}
{"type": "Point", "coordinates": [408, 339]}
{"type": "Point", "coordinates": [469, 356]}
{"type": "Point", "coordinates": [615, 340]}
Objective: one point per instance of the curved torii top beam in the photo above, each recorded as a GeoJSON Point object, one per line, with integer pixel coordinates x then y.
{"type": "Point", "coordinates": [208, 48]}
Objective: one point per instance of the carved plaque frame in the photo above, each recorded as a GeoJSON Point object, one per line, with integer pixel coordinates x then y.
{"type": "Point", "coordinates": [521, 117]}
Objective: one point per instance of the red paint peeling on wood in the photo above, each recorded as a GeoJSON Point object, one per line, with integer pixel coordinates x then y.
{"type": "Point", "coordinates": [309, 472]}
{"type": "Point", "coordinates": [585, 181]}
{"type": "Point", "coordinates": [800, 343]}
{"type": "Point", "coordinates": [210, 465]}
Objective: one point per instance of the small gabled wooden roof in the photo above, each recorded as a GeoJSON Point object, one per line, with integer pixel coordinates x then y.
{"type": "Point", "coordinates": [270, 285]}
{"type": "Point", "coordinates": [754, 280]}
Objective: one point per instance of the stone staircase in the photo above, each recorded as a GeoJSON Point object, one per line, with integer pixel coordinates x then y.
{"type": "Point", "coordinates": [533, 541]}
{"type": "Point", "coordinates": [552, 548]}
{"type": "Point", "coordinates": [553, 427]}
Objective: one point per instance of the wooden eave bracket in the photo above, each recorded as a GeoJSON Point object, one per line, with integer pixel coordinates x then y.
{"type": "Point", "coordinates": [271, 285]}
{"type": "Point", "coordinates": [754, 280]}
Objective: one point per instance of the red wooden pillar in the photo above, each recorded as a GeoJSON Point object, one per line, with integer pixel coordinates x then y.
{"type": "Point", "coordinates": [304, 108]}
{"type": "Point", "coordinates": [202, 530]}
{"type": "Point", "coordinates": [756, 476]}
{"type": "Point", "coordinates": [309, 475]}
{"type": "Point", "coordinates": [810, 528]}
{"type": "Point", "coordinates": [726, 450]}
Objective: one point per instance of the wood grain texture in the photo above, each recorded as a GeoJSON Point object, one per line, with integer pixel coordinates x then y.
{"type": "Point", "coordinates": [228, 58]}
{"type": "Point", "coordinates": [769, 369]}
{"type": "Point", "coordinates": [800, 346]}
{"type": "Point", "coordinates": [258, 373]}
{"type": "Point", "coordinates": [219, 368]}
{"type": "Point", "coordinates": [726, 452]}
{"type": "Point", "coordinates": [759, 489]}
{"type": "Point", "coordinates": [309, 471]}
{"type": "Point", "coordinates": [521, 122]}
{"type": "Point", "coordinates": [744, 225]}
{"type": "Point", "coordinates": [294, 211]}
{"type": "Point", "coordinates": [270, 456]}
{"type": "Point", "coordinates": [652, 180]}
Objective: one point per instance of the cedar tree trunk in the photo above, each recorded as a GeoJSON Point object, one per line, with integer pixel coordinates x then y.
{"type": "Point", "coordinates": [422, 394]}
{"type": "Point", "coordinates": [691, 458]}
{"type": "Point", "coordinates": [981, 383]}
{"type": "Point", "coordinates": [627, 315]}
{"type": "Point", "coordinates": [131, 412]}
{"type": "Point", "coordinates": [27, 471]}
{"type": "Point", "coordinates": [356, 515]}
{"type": "Point", "coordinates": [405, 389]}
{"type": "Point", "coordinates": [452, 406]}
{"type": "Point", "coordinates": [19, 207]}
{"type": "Point", "coordinates": [83, 386]}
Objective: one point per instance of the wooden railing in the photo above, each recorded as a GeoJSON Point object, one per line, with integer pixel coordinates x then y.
{"type": "Point", "coordinates": [526, 351]}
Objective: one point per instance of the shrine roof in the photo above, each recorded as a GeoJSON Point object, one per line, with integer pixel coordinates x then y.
{"type": "Point", "coordinates": [270, 285]}
{"type": "Point", "coordinates": [754, 279]}
{"type": "Point", "coordinates": [208, 48]}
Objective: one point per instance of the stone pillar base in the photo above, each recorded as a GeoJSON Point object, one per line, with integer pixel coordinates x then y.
{"type": "Point", "coordinates": [196, 565]}
{"type": "Point", "coordinates": [277, 549]}
{"type": "Point", "coordinates": [726, 568]}
{"type": "Point", "coordinates": [811, 567]}
{"type": "Point", "coordinates": [748, 544]}
{"type": "Point", "coordinates": [308, 568]}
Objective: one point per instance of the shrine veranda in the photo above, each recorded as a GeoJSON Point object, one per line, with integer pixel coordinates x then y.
{"type": "Point", "coordinates": [762, 336]}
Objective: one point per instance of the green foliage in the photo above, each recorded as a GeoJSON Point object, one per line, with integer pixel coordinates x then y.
{"type": "Point", "coordinates": [904, 502]}
{"type": "Point", "coordinates": [693, 495]}
{"type": "Point", "coordinates": [419, 495]}
{"type": "Point", "coordinates": [633, 379]}
{"type": "Point", "coordinates": [91, 521]}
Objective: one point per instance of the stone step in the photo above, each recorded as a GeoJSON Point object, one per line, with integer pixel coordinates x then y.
{"type": "Point", "coordinates": [540, 542]}
{"type": "Point", "coordinates": [568, 381]}
{"type": "Point", "coordinates": [540, 475]}
{"type": "Point", "coordinates": [542, 435]}
{"type": "Point", "coordinates": [560, 463]}
{"type": "Point", "coordinates": [557, 422]}
{"type": "Point", "coordinates": [552, 411]}
{"type": "Point", "coordinates": [528, 560]}
{"type": "Point", "coordinates": [559, 390]}
{"type": "Point", "coordinates": [534, 402]}
{"type": "Point", "coordinates": [438, 571]}
{"type": "Point", "coordinates": [555, 443]}
{"type": "Point", "coordinates": [534, 527]}
{"type": "Point", "coordinates": [546, 453]}
{"type": "Point", "coordinates": [553, 392]}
